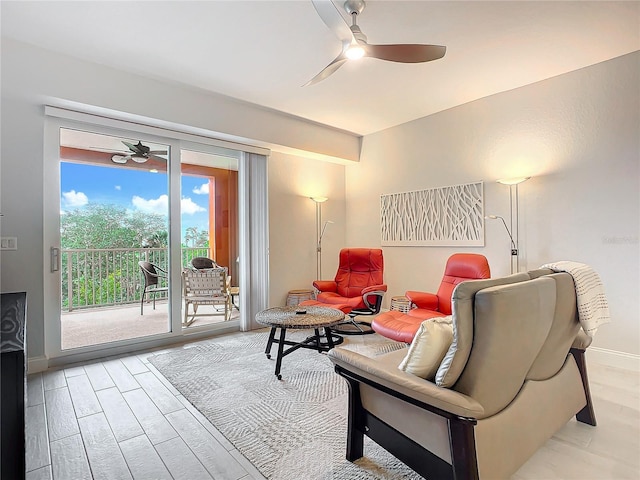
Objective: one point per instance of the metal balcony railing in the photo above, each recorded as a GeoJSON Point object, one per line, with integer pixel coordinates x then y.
{"type": "Point", "coordinates": [105, 277]}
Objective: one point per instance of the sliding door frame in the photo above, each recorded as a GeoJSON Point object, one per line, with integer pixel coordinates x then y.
{"type": "Point", "coordinates": [253, 230]}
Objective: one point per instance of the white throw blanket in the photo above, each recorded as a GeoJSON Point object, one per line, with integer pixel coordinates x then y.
{"type": "Point", "coordinates": [593, 308]}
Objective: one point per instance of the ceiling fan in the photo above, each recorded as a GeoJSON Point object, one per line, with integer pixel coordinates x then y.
{"type": "Point", "coordinates": [139, 153]}
{"type": "Point", "coordinates": [354, 42]}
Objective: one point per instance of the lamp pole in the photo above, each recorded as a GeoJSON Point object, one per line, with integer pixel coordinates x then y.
{"type": "Point", "coordinates": [514, 218]}
{"type": "Point", "coordinates": [514, 247]}
{"type": "Point", "coordinates": [319, 233]}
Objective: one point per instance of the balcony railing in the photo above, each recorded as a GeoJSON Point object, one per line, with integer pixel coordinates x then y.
{"type": "Point", "coordinates": [105, 277]}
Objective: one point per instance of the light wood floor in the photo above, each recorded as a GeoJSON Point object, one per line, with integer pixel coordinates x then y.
{"type": "Point", "coordinates": [119, 418]}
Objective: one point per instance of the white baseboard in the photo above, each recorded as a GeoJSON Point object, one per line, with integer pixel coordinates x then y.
{"type": "Point", "coordinates": [613, 358]}
{"type": "Point", "coordinates": [37, 364]}
{"type": "Point", "coordinates": [602, 356]}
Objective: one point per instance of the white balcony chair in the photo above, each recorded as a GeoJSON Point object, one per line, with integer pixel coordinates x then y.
{"type": "Point", "coordinates": [205, 287]}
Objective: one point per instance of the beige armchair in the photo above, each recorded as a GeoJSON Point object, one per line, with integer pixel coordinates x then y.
{"type": "Point", "coordinates": [514, 375]}
{"type": "Point", "coordinates": [205, 287]}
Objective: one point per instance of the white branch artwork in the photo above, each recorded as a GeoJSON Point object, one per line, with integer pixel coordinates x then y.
{"type": "Point", "coordinates": [443, 216]}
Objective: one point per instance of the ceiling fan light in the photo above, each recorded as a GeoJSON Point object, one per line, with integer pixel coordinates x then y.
{"type": "Point", "coordinates": [139, 159]}
{"type": "Point", "coordinates": [354, 52]}
{"type": "Point", "coordinates": [119, 159]}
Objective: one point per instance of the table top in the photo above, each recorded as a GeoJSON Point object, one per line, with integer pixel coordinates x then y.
{"type": "Point", "coordinates": [286, 317]}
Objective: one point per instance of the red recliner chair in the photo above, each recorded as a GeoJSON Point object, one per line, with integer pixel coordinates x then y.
{"type": "Point", "coordinates": [358, 286]}
{"type": "Point", "coordinates": [403, 326]}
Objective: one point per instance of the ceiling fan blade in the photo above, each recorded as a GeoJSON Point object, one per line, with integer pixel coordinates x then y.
{"type": "Point", "coordinates": [328, 70]}
{"type": "Point", "coordinates": [330, 15]}
{"type": "Point", "coordinates": [406, 53]}
{"type": "Point", "coordinates": [159, 159]}
{"type": "Point", "coordinates": [130, 146]}
{"type": "Point", "coordinates": [157, 152]}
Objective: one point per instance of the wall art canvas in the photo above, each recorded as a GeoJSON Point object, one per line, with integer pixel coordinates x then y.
{"type": "Point", "coordinates": [442, 216]}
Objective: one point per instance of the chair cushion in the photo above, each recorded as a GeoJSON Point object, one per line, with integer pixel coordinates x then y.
{"type": "Point", "coordinates": [429, 346]}
{"type": "Point", "coordinates": [400, 326]}
{"type": "Point", "coordinates": [459, 268]}
{"type": "Point", "coordinates": [463, 312]}
{"type": "Point", "coordinates": [331, 298]}
{"type": "Point", "coordinates": [424, 313]}
{"type": "Point", "coordinates": [358, 268]}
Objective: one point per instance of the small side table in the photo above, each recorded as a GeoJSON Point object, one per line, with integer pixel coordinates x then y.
{"type": "Point", "coordinates": [298, 317]}
{"type": "Point", "coordinates": [401, 304]}
{"type": "Point", "coordinates": [295, 297]}
{"type": "Point", "coordinates": [234, 292]}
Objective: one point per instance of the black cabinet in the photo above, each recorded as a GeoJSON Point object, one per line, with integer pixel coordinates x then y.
{"type": "Point", "coordinates": [13, 385]}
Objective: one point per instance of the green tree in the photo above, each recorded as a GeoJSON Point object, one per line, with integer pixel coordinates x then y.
{"type": "Point", "coordinates": [196, 238]}
{"type": "Point", "coordinates": [111, 226]}
{"type": "Point", "coordinates": [156, 240]}
{"type": "Point", "coordinates": [106, 276]}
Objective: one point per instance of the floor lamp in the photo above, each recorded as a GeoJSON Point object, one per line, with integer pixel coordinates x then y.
{"type": "Point", "coordinates": [514, 247]}
{"type": "Point", "coordinates": [514, 219]}
{"type": "Point", "coordinates": [319, 233]}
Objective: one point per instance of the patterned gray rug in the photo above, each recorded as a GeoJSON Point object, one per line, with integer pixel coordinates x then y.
{"type": "Point", "coordinates": [290, 429]}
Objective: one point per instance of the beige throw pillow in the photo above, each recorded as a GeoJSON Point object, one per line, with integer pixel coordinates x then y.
{"type": "Point", "coordinates": [428, 348]}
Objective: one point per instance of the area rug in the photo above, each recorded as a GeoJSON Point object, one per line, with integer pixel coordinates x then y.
{"type": "Point", "coordinates": [290, 429]}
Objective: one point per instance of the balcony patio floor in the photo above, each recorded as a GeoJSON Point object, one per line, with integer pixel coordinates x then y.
{"type": "Point", "coordinates": [108, 324]}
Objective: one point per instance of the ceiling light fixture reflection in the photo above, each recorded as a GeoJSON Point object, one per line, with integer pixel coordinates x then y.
{"type": "Point", "coordinates": [355, 52]}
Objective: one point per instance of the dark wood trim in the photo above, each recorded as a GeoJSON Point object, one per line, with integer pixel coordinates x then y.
{"type": "Point", "coordinates": [587, 414]}
{"type": "Point", "coordinates": [355, 423]}
{"type": "Point", "coordinates": [424, 462]}
{"type": "Point", "coordinates": [463, 449]}
{"type": "Point", "coordinates": [410, 453]}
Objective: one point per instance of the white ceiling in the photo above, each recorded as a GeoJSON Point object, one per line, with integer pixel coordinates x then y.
{"type": "Point", "coordinates": [263, 51]}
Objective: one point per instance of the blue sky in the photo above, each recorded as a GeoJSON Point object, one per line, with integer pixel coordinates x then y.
{"type": "Point", "coordinates": [136, 190]}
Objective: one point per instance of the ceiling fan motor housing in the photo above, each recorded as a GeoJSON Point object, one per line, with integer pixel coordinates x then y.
{"type": "Point", "coordinates": [354, 6]}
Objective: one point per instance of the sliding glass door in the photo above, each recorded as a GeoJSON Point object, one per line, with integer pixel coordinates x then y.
{"type": "Point", "coordinates": [209, 220]}
{"type": "Point", "coordinates": [114, 238]}
{"type": "Point", "coordinates": [125, 213]}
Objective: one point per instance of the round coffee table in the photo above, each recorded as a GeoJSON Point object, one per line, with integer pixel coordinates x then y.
{"type": "Point", "coordinates": [297, 317]}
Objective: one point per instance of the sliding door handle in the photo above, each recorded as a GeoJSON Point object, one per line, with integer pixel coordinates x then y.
{"type": "Point", "coordinates": [55, 259]}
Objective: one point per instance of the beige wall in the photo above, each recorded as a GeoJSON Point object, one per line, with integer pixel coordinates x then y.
{"type": "Point", "coordinates": [33, 77]}
{"type": "Point", "coordinates": [576, 134]}
{"type": "Point", "coordinates": [292, 222]}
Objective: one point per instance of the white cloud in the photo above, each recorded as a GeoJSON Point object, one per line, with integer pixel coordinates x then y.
{"type": "Point", "coordinates": [189, 207]}
{"type": "Point", "coordinates": [154, 205]}
{"type": "Point", "coordinates": [202, 189]}
{"type": "Point", "coordinates": [160, 205]}
{"type": "Point", "coordinates": [118, 187]}
{"type": "Point", "coordinates": [74, 199]}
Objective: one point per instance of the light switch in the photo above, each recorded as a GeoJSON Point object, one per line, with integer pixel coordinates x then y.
{"type": "Point", "coordinates": [9, 243]}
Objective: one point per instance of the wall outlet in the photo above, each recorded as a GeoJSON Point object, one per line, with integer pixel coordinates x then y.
{"type": "Point", "coordinates": [9, 243]}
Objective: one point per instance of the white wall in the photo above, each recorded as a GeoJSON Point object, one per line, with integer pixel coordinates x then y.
{"type": "Point", "coordinates": [292, 235]}
{"type": "Point", "coordinates": [32, 78]}
{"type": "Point", "coordinates": [578, 136]}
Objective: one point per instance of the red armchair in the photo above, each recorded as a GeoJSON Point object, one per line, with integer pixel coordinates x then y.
{"type": "Point", "coordinates": [358, 284]}
{"type": "Point", "coordinates": [403, 326]}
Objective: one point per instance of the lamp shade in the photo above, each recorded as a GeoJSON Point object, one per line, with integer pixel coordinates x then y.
{"type": "Point", "coordinates": [513, 181]}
